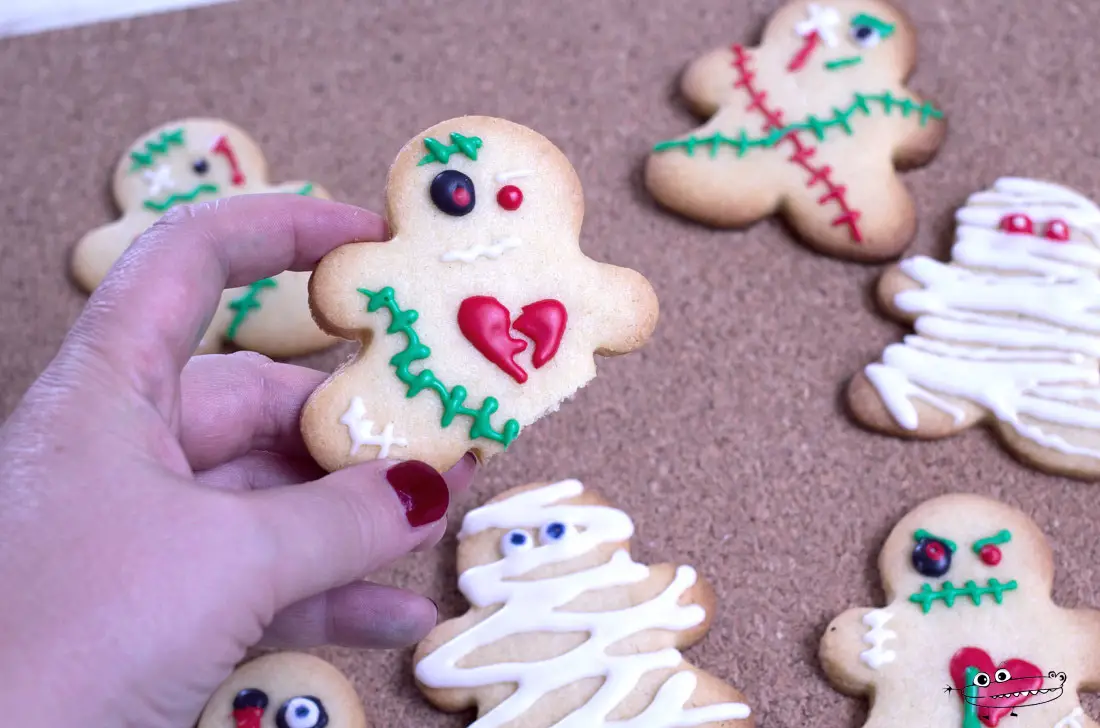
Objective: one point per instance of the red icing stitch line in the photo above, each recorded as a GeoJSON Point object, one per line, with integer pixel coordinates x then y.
{"type": "Point", "coordinates": [803, 54]}
{"type": "Point", "coordinates": [802, 152]}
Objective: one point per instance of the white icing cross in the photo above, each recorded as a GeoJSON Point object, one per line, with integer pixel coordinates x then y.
{"type": "Point", "coordinates": [1072, 720]}
{"type": "Point", "coordinates": [822, 21]}
{"type": "Point", "coordinates": [159, 179]}
{"type": "Point", "coordinates": [877, 635]}
{"type": "Point", "coordinates": [530, 606]}
{"type": "Point", "coordinates": [361, 429]}
{"type": "Point", "coordinates": [494, 251]}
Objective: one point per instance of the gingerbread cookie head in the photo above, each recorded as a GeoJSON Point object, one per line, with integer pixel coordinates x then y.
{"type": "Point", "coordinates": [192, 161]}
{"type": "Point", "coordinates": [480, 316]}
{"type": "Point", "coordinates": [811, 124]}
{"type": "Point", "coordinates": [969, 633]}
{"type": "Point", "coordinates": [1005, 332]}
{"type": "Point", "coordinates": [285, 690]}
{"type": "Point", "coordinates": [566, 628]}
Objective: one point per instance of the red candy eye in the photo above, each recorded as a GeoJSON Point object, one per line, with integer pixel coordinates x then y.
{"type": "Point", "coordinates": [990, 554]}
{"type": "Point", "coordinates": [510, 197]}
{"type": "Point", "coordinates": [1057, 230]}
{"type": "Point", "coordinates": [1017, 224]}
{"type": "Point", "coordinates": [461, 196]}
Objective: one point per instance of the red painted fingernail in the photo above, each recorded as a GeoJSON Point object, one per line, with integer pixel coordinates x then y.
{"type": "Point", "coordinates": [422, 491]}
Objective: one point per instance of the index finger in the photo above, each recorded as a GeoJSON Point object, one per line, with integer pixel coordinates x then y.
{"type": "Point", "coordinates": [146, 317]}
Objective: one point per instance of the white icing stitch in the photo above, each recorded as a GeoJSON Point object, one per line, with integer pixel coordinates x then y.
{"type": "Point", "coordinates": [504, 177]}
{"type": "Point", "coordinates": [1072, 720]}
{"type": "Point", "coordinates": [1012, 324]}
{"type": "Point", "coordinates": [159, 179]}
{"type": "Point", "coordinates": [535, 606]}
{"type": "Point", "coordinates": [494, 251]}
{"type": "Point", "coordinates": [822, 21]}
{"type": "Point", "coordinates": [361, 429]}
{"type": "Point", "coordinates": [877, 635]}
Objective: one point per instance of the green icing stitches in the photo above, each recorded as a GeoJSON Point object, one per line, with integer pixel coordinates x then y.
{"type": "Point", "coordinates": [949, 592]}
{"type": "Point", "coordinates": [156, 147]}
{"type": "Point", "coordinates": [861, 103]}
{"type": "Point", "coordinates": [246, 304]}
{"type": "Point", "coordinates": [306, 190]}
{"type": "Point", "coordinates": [440, 152]}
{"type": "Point", "coordinates": [176, 199]}
{"type": "Point", "coordinates": [451, 398]}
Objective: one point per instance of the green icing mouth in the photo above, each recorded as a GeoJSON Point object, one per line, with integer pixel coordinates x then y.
{"type": "Point", "coordinates": [173, 200]}
{"type": "Point", "coordinates": [948, 592]}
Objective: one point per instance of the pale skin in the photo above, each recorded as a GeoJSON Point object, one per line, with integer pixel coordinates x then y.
{"type": "Point", "coordinates": [1027, 625]}
{"type": "Point", "coordinates": [159, 514]}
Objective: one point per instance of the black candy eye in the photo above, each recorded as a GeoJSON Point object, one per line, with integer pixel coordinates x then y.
{"type": "Point", "coordinates": [250, 698]}
{"type": "Point", "coordinates": [931, 557]}
{"type": "Point", "coordinates": [866, 36]}
{"type": "Point", "coordinates": [302, 712]}
{"type": "Point", "coordinates": [201, 166]}
{"type": "Point", "coordinates": [453, 193]}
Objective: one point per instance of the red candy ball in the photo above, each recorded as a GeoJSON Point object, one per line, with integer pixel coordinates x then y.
{"type": "Point", "coordinates": [990, 554]}
{"type": "Point", "coordinates": [510, 197]}
{"type": "Point", "coordinates": [1017, 223]}
{"type": "Point", "coordinates": [1057, 230]}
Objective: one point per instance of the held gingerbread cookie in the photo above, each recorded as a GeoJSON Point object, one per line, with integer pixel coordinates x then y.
{"type": "Point", "coordinates": [195, 160]}
{"type": "Point", "coordinates": [567, 630]}
{"type": "Point", "coordinates": [285, 690]}
{"type": "Point", "coordinates": [811, 125]}
{"type": "Point", "coordinates": [480, 316]}
{"type": "Point", "coordinates": [969, 635]}
{"type": "Point", "coordinates": [1007, 332]}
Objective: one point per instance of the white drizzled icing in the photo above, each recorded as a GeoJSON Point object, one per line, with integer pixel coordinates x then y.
{"type": "Point", "coordinates": [1073, 720]}
{"type": "Point", "coordinates": [504, 177]}
{"type": "Point", "coordinates": [877, 635]}
{"type": "Point", "coordinates": [1011, 325]}
{"type": "Point", "coordinates": [494, 251]}
{"type": "Point", "coordinates": [361, 430]}
{"type": "Point", "coordinates": [529, 606]}
{"type": "Point", "coordinates": [159, 179]}
{"type": "Point", "coordinates": [822, 21]}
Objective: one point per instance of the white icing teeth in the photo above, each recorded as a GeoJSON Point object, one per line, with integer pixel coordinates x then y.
{"type": "Point", "coordinates": [361, 430]}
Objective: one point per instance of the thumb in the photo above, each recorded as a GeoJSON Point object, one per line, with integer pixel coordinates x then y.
{"type": "Point", "coordinates": [336, 530]}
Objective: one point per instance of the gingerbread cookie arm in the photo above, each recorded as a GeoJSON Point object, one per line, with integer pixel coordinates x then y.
{"type": "Point", "coordinates": [708, 81]}
{"type": "Point", "coordinates": [303, 187]}
{"type": "Point", "coordinates": [923, 136]}
{"type": "Point", "coordinates": [1085, 624]}
{"type": "Point", "coordinates": [97, 251]}
{"type": "Point", "coordinates": [850, 659]}
{"type": "Point", "coordinates": [337, 307]}
{"type": "Point", "coordinates": [628, 308]}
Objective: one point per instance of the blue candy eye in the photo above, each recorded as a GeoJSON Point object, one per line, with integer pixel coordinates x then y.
{"type": "Point", "coordinates": [514, 541]}
{"type": "Point", "coordinates": [554, 531]}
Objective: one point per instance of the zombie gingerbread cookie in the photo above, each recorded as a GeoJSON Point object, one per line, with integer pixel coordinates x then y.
{"type": "Point", "coordinates": [567, 630]}
{"type": "Point", "coordinates": [195, 160]}
{"type": "Point", "coordinates": [811, 125]}
{"type": "Point", "coordinates": [285, 690]}
{"type": "Point", "coordinates": [480, 316]}
{"type": "Point", "coordinates": [969, 634]}
{"type": "Point", "coordinates": [1007, 332]}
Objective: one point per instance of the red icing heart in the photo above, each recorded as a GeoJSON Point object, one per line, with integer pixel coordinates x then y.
{"type": "Point", "coordinates": [486, 324]}
{"type": "Point", "coordinates": [1024, 677]}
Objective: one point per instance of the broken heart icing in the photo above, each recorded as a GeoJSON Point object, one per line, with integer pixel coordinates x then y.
{"type": "Point", "coordinates": [486, 218]}
{"type": "Point", "coordinates": [969, 635]}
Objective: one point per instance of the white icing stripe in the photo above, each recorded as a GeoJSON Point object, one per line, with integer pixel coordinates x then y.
{"type": "Point", "coordinates": [533, 605]}
{"type": "Point", "coordinates": [494, 251]}
{"type": "Point", "coordinates": [360, 430]}
{"type": "Point", "coordinates": [504, 177]}
{"type": "Point", "coordinates": [877, 635]}
{"type": "Point", "coordinates": [1073, 720]}
{"type": "Point", "coordinates": [1012, 324]}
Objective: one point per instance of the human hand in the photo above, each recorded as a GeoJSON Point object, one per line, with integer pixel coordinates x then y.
{"type": "Point", "coordinates": [159, 513]}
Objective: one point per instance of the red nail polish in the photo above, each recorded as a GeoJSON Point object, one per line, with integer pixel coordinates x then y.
{"type": "Point", "coordinates": [422, 491]}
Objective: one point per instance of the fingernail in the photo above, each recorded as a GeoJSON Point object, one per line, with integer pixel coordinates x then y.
{"type": "Point", "coordinates": [422, 491]}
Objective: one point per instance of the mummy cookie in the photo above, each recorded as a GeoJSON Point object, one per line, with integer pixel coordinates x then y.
{"type": "Point", "coordinates": [810, 125]}
{"type": "Point", "coordinates": [969, 635]}
{"type": "Point", "coordinates": [566, 629]}
{"type": "Point", "coordinates": [285, 690]}
{"type": "Point", "coordinates": [1007, 332]}
{"type": "Point", "coordinates": [195, 160]}
{"type": "Point", "coordinates": [480, 316]}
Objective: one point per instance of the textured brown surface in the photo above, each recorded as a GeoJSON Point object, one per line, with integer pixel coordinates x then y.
{"type": "Point", "coordinates": [724, 437]}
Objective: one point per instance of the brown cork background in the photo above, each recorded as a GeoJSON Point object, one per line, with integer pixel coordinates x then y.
{"type": "Point", "coordinates": [725, 438]}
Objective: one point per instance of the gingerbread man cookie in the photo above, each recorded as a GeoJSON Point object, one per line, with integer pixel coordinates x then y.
{"type": "Point", "coordinates": [969, 634]}
{"type": "Point", "coordinates": [480, 316]}
{"type": "Point", "coordinates": [567, 630]}
{"type": "Point", "coordinates": [1006, 333]}
{"type": "Point", "coordinates": [195, 160]}
{"type": "Point", "coordinates": [811, 124]}
{"type": "Point", "coordinates": [285, 690]}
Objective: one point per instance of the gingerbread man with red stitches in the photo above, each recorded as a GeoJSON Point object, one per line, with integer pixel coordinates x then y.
{"type": "Point", "coordinates": [480, 315]}
{"type": "Point", "coordinates": [812, 125]}
{"type": "Point", "coordinates": [969, 635]}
